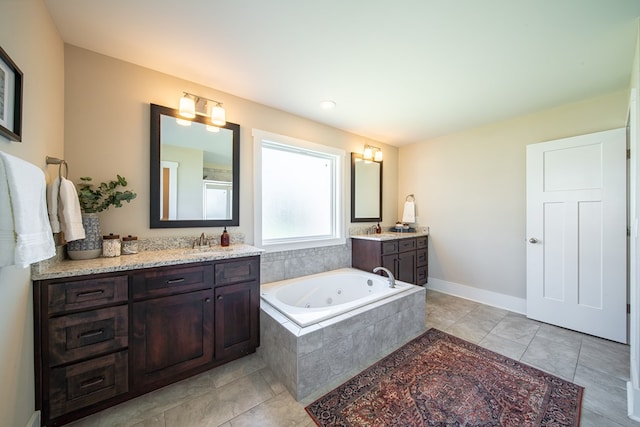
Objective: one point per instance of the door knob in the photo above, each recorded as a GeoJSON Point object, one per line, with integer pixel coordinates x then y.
{"type": "Point", "coordinates": [533, 240]}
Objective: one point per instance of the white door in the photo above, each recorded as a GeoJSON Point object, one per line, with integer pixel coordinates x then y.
{"type": "Point", "coordinates": [576, 232]}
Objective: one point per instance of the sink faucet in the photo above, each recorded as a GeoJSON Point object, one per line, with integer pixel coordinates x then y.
{"type": "Point", "coordinates": [392, 280]}
{"type": "Point", "coordinates": [200, 241]}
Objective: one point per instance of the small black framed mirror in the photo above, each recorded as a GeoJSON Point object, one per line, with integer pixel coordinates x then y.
{"type": "Point", "coordinates": [366, 189]}
{"type": "Point", "coordinates": [195, 171]}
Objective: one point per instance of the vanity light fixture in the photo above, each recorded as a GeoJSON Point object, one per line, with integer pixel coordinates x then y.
{"type": "Point", "coordinates": [191, 104]}
{"type": "Point", "coordinates": [372, 153]}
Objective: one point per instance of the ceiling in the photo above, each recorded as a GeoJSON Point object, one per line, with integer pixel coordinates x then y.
{"type": "Point", "coordinates": [399, 72]}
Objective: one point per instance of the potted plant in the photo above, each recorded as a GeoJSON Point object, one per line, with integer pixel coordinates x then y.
{"type": "Point", "coordinates": [94, 199]}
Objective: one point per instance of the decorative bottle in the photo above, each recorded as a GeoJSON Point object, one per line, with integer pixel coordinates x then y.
{"type": "Point", "coordinates": [378, 229]}
{"type": "Point", "coordinates": [224, 239]}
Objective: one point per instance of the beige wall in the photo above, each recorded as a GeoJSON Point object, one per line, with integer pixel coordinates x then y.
{"type": "Point", "coordinates": [470, 191]}
{"type": "Point", "coordinates": [29, 36]}
{"type": "Point", "coordinates": [107, 133]}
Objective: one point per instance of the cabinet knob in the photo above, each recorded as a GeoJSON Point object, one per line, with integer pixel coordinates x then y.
{"type": "Point", "coordinates": [219, 297]}
{"type": "Point", "coordinates": [207, 300]}
{"type": "Point", "coordinates": [533, 240]}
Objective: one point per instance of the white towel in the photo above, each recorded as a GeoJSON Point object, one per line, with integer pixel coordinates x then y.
{"type": "Point", "coordinates": [69, 211]}
{"type": "Point", "coordinates": [27, 198]}
{"type": "Point", "coordinates": [7, 229]}
{"type": "Point", "coordinates": [53, 190]}
{"type": "Point", "coordinates": [409, 212]}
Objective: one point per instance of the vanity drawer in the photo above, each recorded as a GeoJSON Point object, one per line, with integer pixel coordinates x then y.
{"type": "Point", "coordinates": [87, 383]}
{"type": "Point", "coordinates": [89, 293]}
{"type": "Point", "coordinates": [421, 242]}
{"type": "Point", "coordinates": [173, 280]}
{"type": "Point", "coordinates": [237, 271]}
{"type": "Point", "coordinates": [421, 257]}
{"type": "Point", "coordinates": [405, 245]}
{"type": "Point", "coordinates": [82, 335]}
{"type": "Point", "coordinates": [389, 247]}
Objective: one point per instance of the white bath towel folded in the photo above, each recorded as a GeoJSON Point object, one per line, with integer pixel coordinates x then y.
{"type": "Point", "coordinates": [53, 189]}
{"type": "Point", "coordinates": [28, 205]}
{"type": "Point", "coordinates": [69, 211]}
{"type": "Point", "coordinates": [409, 212]}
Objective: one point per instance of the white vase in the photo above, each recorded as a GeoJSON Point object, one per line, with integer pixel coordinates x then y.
{"type": "Point", "coordinates": [91, 246]}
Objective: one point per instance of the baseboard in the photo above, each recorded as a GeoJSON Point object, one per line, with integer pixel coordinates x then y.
{"type": "Point", "coordinates": [495, 299]}
{"type": "Point", "coordinates": [633, 402]}
{"type": "Point", "coordinates": [34, 421]}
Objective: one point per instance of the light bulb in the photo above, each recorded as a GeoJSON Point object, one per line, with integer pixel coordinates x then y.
{"type": "Point", "coordinates": [187, 107]}
{"type": "Point", "coordinates": [218, 116]}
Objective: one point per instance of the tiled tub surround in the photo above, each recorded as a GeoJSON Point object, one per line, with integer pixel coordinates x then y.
{"type": "Point", "coordinates": [307, 360]}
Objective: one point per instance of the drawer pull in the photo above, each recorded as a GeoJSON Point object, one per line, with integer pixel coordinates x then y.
{"type": "Point", "coordinates": [219, 297]}
{"type": "Point", "coordinates": [174, 281]}
{"type": "Point", "coordinates": [91, 382]}
{"type": "Point", "coordinates": [90, 293]}
{"type": "Point", "coordinates": [93, 333]}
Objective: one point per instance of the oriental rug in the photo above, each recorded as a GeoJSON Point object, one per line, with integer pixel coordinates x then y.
{"type": "Point", "coordinates": [440, 380]}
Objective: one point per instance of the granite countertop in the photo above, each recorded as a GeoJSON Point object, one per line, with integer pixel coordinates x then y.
{"type": "Point", "coordinates": [389, 235]}
{"type": "Point", "coordinates": [145, 259]}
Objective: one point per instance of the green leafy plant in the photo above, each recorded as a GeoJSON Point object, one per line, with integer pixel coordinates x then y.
{"type": "Point", "coordinates": [103, 196]}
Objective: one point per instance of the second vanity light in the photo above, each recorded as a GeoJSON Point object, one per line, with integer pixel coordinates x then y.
{"type": "Point", "coordinates": [191, 104]}
{"type": "Point", "coordinates": [372, 153]}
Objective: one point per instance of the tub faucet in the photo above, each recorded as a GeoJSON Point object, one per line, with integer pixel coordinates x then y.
{"type": "Point", "coordinates": [392, 280]}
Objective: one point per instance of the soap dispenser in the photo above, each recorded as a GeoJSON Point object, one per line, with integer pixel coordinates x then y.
{"type": "Point", "coordinates": [224, 239]}
{"type": "Point", "coordinates": [378, 229]}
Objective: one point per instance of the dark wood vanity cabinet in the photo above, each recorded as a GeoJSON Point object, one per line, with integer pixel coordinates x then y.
{"type": "Point", "coordinates": [406, 258]}
{"type": "Point", "coordinates": [104, 339]}
{"type": "Point", "coordinates": [172, 323]}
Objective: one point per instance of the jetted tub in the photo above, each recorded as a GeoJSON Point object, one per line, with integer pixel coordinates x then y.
{"type": "Point", "coordinates": [317, 331]}
{"type": "Point", "coordinates": [311, 299]}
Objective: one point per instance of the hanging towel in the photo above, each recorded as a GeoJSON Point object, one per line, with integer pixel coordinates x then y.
{"type": "Point", "coordinates": [7, 229]}
{"type": "Point", "coordinates": [409, 212]}
{"type": "Point", "coordinates": [69, 211]}
{"type": "Point", "coordinates": [27, 201]}
{"type": "Point", "coordinates": [53, 190]}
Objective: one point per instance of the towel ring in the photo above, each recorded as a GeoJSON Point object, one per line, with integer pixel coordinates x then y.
{"type": "Point", "coordinates": [60, 163]}
{"type": "Point", "coordinates": [410, 196]}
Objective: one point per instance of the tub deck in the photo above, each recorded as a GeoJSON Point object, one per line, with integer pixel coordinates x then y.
{"type": "Point", "coordinates": [312, 360]}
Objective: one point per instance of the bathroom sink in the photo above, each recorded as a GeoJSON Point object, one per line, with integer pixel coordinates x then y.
{"type": "Point", "coordinates": [207, 250]}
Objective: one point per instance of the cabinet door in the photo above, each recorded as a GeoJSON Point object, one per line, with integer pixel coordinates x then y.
{"type": "Point", "coordinates": [171, 335]}
{"type": "Point", "coordinates": [237, 326]}
{"type": "Point", "coordinates": [407, 267]}
{"type": "Point", "coordinates": [390, 263]}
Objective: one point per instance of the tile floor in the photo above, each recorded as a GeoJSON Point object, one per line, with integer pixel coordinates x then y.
{"type": "Point", "coordinates": [245, 393]}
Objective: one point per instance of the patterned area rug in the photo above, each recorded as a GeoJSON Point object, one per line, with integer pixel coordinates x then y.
{"type": "Point", "coordinates": [440, 380]}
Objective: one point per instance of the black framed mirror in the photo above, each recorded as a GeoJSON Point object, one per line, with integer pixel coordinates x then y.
{"type": "Point", "coordinates": [195, 171]}
{"type": "Point", "coordinates": [366, 189]}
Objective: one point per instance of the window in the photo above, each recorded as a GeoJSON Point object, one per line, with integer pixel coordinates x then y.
{"type": "Point", "coordinates": [298, 193]}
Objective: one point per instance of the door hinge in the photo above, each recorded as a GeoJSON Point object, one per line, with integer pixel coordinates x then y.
{"type": "Point", "coordinates": [628, 308]}
{"type": "Point", "coordinates": [628, 153]}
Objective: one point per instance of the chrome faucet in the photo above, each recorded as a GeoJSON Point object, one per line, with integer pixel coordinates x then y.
{"type": "Point", "coordinates": [392, 280]}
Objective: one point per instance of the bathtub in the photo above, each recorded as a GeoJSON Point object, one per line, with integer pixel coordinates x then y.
{"type": "Point", "coordinates": [317, 331]}
{"type": "Point", "coordinates": [312, 299]}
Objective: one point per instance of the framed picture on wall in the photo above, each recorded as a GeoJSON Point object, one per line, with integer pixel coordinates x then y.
{"type": "Point", "coordinates": [10, 98]}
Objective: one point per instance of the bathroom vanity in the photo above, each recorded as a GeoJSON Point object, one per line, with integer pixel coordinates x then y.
{"type": "Point", "coordinates": [110, 329]}
{"type": "Point", "coordinates": [404, 254]}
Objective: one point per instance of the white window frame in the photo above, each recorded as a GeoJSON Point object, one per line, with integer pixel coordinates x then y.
{"type": "Point", "coordinates": [338, 237]}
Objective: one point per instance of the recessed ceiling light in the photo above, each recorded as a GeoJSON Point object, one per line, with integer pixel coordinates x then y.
{"type": "Point", "coordinates": [327, 105]}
